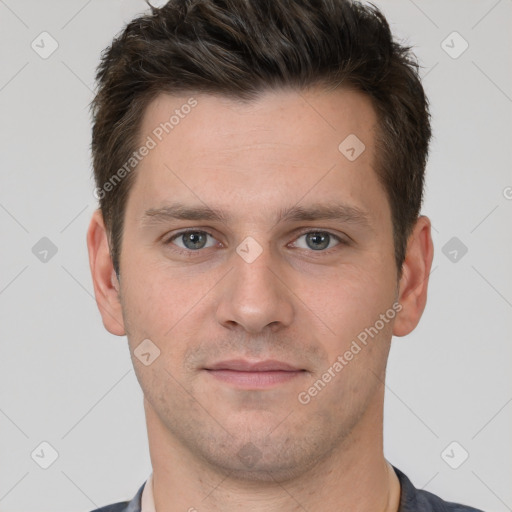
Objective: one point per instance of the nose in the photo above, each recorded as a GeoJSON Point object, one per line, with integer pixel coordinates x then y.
{"type": "Point", "coordinates": [255, 295]}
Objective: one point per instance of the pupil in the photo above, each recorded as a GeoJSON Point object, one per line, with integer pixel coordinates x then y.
{"type": "Point", "coordinates": [193, 240]}
{"type": "Point", "coordinates": [320, 241]}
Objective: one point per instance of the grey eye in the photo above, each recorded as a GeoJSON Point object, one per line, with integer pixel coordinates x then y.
{"type": "Point", "coordinates": [192, 240]}
{"type": "Point", "coordinates": [317, 240]}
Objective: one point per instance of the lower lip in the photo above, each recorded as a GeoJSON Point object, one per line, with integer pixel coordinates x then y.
{"type": "Point", "coordinates": [255, 380]}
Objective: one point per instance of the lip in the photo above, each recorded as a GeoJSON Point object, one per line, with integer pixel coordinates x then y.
{"type": "Point", "coordinates": [254, 375]}
{"type": "Point", "coordinates": [242, 365]}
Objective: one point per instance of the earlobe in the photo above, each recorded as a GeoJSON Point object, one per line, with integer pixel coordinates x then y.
{"type": "Point", "coordinates": [414, 281]}
{"type": "Point", "coordinates": [106, 285]}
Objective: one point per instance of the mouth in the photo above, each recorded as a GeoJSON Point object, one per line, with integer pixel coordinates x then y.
{"type": "Point", "coordinates": [254, 375]}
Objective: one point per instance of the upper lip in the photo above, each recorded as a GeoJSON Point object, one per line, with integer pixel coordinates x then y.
{"type": "Point", "coordinates": [243, 365]}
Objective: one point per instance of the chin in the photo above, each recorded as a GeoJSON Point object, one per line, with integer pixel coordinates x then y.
{"type": "Point", "coordinates": [279, 460]}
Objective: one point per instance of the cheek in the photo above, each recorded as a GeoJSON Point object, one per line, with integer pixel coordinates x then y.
{"type": "Point", "coordinates": [166, 305]}
{"type": "Point", "coordinates": [151, 300]}
{"type": "Point", "coordinates": [360, 343]}
{"type": "Point", "coordinates": [353, 299]}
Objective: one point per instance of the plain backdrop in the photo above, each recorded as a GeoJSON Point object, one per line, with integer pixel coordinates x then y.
{"type": "Point", "coordinates": [68, 383]}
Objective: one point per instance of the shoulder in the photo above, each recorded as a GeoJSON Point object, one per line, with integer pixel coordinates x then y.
{"type": "Point", "coordinates": [125, 506]}
{"type": "Point", "coordinates": [115, 507]}
{"type": "Point", "coordinates": [417, 500]}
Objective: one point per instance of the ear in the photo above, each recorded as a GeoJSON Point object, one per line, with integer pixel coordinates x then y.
{"type": "Point", "coordinates": [413, 284]}
{"type": "Point", "coordinates": [106, 285]}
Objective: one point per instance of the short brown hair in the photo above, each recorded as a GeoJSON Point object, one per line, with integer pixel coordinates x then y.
{"type": "Point", "coordinates": [239, 48]}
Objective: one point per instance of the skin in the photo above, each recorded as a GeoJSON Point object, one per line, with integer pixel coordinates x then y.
{"type": "Point", "coordinates": [292, 303]}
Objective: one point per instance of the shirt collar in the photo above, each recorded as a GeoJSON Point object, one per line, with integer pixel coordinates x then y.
{"type": "Point", "coordinates": [148, 501]}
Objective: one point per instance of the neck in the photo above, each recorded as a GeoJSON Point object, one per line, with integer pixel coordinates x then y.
{"type": "Point", "coordinates": [356, 477]}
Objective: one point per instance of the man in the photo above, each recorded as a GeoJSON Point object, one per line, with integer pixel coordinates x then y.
{"type": "Point", "coordinates": [259, 166]}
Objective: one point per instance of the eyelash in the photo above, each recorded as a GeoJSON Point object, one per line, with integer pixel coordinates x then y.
{"type": "Point", "coordinates": [190, 252]}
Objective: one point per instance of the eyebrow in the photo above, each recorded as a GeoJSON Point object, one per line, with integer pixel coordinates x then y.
{"type": "Point", "coordinates": [324, 211]}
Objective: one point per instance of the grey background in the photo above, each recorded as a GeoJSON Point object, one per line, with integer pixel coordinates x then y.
{"type": "Point", "coordinates": [68, 382]}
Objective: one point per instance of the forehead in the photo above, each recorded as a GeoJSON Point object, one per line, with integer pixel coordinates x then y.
{"type": "Point", "coordinates": [293, 117]}
{"type": "Point", "coordinates": [277, 149]}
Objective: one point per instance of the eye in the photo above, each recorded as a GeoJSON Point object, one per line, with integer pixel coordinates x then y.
{"type": "Point", "coordinates": [191, 240]}
{"type": "Point", "coordinates": [194, 240]}
{"type": "Point", "coordinates": [317, 240]}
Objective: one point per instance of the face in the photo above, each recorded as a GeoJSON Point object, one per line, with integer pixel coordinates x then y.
{"type": "Point", "coordinates": [258, 259]}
